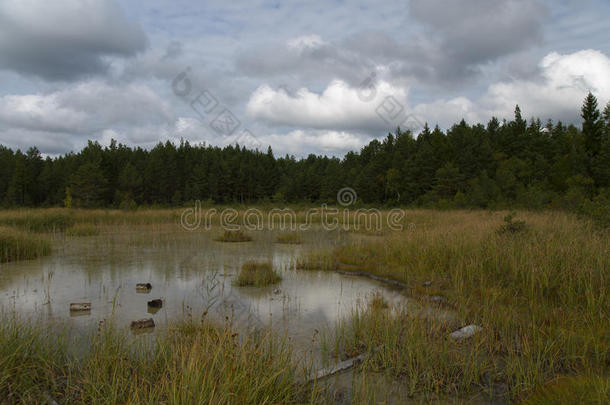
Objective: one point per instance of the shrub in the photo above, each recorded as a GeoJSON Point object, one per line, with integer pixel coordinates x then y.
{"type": "Point", "coordinates": [511, 226]}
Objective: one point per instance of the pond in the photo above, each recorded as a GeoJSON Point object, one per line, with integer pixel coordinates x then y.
{"type": "Point", "coordinates": [193, 274]}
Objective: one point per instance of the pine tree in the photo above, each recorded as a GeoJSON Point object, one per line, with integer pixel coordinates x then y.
{"type": "Point", "coordinates": [592, 126]}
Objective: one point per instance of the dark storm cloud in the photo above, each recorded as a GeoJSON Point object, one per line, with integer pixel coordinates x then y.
{"type": "Point", "coordinates": [469, 33]}
{"type": "Point", "coordinates": [65, 39]}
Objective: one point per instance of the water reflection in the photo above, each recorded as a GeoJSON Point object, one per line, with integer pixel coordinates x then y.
{"type": "Point", "coordinates": [191, 273]}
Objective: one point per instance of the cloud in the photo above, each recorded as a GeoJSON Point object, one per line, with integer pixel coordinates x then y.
{"type": "Point", "coordinates": [38, 112]}
{"type": "Point", "coordinates": [557, 92]}
{"type": "Point", "coordinates": [339, 107]}
{"type": "Point", "coordinates": [306, 57]}
{"type": "Point", "coordinates": [305, 42]}
{"type": "Point", "coordinates": [565, 81]}
{"type": "Point", "coordinates": [65, 39]}
{"type": "Point", "coordinates": [442, 43]}
{"type": "Point", "coordinates": [461, 36]}
{"type": "Point", "coordinates": [300, 142]}
{"type": "Point", "coordinates": [84, 108]}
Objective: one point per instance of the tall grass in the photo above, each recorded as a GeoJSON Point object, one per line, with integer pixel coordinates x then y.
{"type": "Point", "coordinates": [38, 220]}
{"type": "Point", "coordinates": [83, 230]}
{"type": "Point", "coordinates": [16, 245]}
{"type": "Point", "coordinates": [60, 219]}
{"type": "Point", "coordinates": [192, 363]}
{"type": "Point", "coordinates": [541, 297]}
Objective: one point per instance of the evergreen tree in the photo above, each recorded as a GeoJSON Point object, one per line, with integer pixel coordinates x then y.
{"type": "Point", "coordinates": [592, 126]}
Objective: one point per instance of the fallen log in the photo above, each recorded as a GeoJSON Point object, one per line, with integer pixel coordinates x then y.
{"type": "Point", "coordinates": [339, 367]}
{"type": "Point", "coordinates": [143, 287]}
{"type": "Point", "coordinates": [143, 323]}
{"type": "Point", "coordinates": [80, 306]}
{"type": "Point", "coordinates": [465, 332]}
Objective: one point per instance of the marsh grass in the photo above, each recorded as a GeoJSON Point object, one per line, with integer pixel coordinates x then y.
{"type": "Point", "coordinates": [17, 245]}
{"type": "Point", "coordinates": [60, 219]}
{"type": "Point", "coordinates": [322, 260]}
{"type": "Point", "coordinates": [292, 238]}
{"type": "Point", "coordinates": [33, 362]}
{"type": "Point", "coordinates": [234, 236]}
{"type": "Point", "coordinates": [257, 274]}
{"type": "Point", "coordinates": [82, 230]}
{"type": "Point", "coordinates": [377, 301]}
{"type": "Point", "coordinates": [191, 363]}
{"type": "Point", "coordinates": [413, 348]}
{"type": "Point", "coordinates": [572, 390]}
{"type": "Point", "coordinates": [541, 298]}
{"type": "Point", "coordinates": [38, 220]}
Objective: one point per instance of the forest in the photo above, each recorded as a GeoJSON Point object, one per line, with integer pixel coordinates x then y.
{"type": "Point", "coordinates": [502, 164]}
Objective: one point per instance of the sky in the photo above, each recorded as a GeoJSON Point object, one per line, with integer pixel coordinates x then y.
{"type": "Point", "coordinates": [322, 77]}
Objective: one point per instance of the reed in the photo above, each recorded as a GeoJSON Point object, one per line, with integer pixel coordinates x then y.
{"type": "Point", "coordinates": [17, 245]}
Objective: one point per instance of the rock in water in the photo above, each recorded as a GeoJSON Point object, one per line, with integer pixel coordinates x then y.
{"type": "Point", "coordinates": [158, 303]}
{"type": "Point", "coordinates": [465, 332]}
{"type": "Point", "coordinates": [143, 323]}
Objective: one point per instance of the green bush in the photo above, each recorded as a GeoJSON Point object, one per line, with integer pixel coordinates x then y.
{"type": "Point", "coordinates": [512, 226]}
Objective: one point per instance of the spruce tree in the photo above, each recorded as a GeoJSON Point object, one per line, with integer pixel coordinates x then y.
{"type": "Point", "coordinates": [592, 126]}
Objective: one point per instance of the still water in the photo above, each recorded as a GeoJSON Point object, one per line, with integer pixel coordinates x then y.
{"type": "Point", "coordinates": [192, 273]}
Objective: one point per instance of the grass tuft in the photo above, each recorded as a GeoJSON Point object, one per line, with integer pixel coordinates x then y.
{"type": "Point", "coordinates": [234, 236]}
{"type": "Point", "coordinates": [289, 238]}
{"type": "Point", "coordinates": [257, 274]}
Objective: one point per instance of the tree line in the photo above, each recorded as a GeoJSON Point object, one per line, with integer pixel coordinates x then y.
{"type": "Point", "coordinates": [503, 163]}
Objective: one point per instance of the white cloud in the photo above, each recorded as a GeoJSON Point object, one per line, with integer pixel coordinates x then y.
{"type": "Point", "coordinates": [305, 42]}
{"type": "Point", "coordinates": [557, 92]}
{"type": "Point", "coordinates": [84, 108]}
{"type": "Point", "coordinates": [338, 107]}
{"type": "Point", "coordinates": [39, 112]}
{"type": "Point", "coordinates": [301, 142]}
{"type": "Point", "coordinates": [447, 112]}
